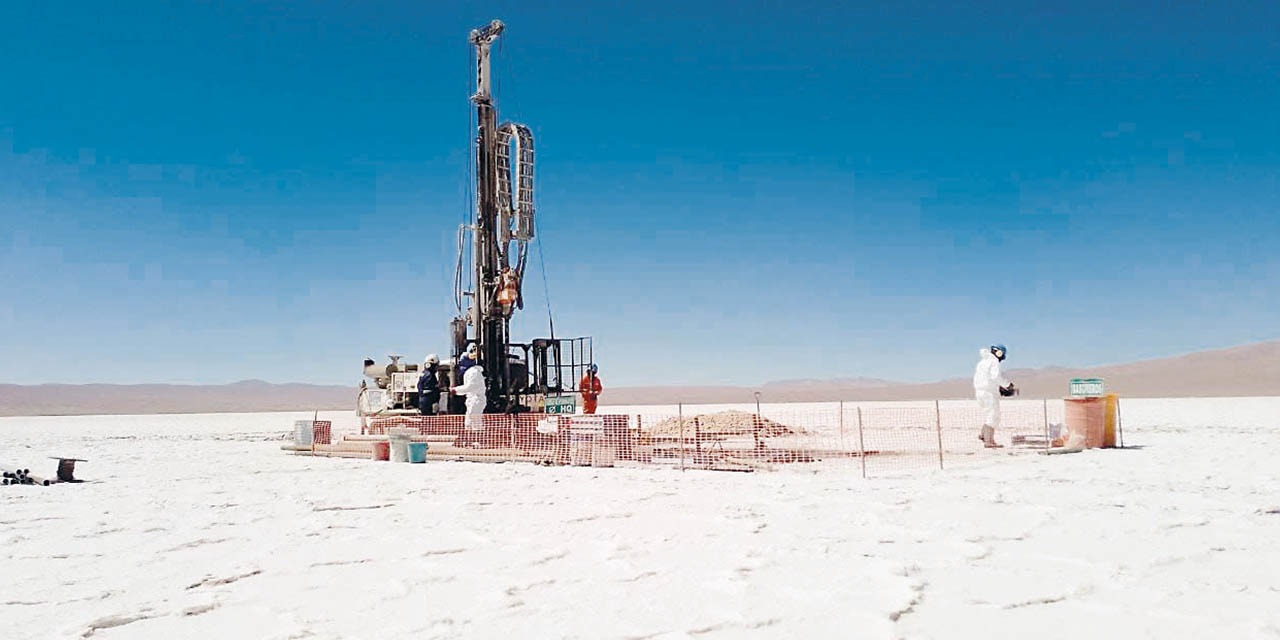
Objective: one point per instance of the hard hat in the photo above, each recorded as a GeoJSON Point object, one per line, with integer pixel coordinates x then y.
{"type": "Point", "coordinates": [594, 368]}
{"type": "Point", "coordinates": [1002, 351]}
{"type": "Point", "coordinates": [432, 359]}
{"type": "Point", "coordinates": [472, 348]}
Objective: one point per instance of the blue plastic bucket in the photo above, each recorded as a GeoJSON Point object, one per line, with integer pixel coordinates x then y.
{"type": "Point", "coordinates": [417, 452]}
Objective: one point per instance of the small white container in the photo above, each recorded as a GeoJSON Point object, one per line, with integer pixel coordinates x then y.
{"type": "Point", "coordinates": [602, 455]}
{"type": "Point", "coordinates": [302, 433]}
{"type": "Point", "coordinates": [399, 440]}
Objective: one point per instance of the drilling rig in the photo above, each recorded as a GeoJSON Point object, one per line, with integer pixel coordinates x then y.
{"type": "Point", "coordinates": [540, 375]}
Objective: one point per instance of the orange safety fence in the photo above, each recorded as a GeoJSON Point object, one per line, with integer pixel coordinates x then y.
{"type": "Point", "coordinates": [869, 438]}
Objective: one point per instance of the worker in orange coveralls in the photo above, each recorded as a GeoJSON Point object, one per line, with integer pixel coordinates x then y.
{"type": "Point", "coordinates": [590, 388]}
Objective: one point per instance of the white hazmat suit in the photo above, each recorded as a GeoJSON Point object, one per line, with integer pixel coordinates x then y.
{"type": "Point", "coordinates": [987, 381]}
{"type": "Point", "coordinates": [473, 387]}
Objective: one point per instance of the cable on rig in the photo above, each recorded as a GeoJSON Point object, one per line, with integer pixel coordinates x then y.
{"type": "Point", "coordinates": [546, 290]}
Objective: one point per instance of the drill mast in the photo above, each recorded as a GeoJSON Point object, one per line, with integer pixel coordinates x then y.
{"type": "Point", "coordinates": [504, 224]}
{"type": "Point", "coordinates": [534, 376]}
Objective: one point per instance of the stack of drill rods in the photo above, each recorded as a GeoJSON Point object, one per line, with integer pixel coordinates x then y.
{"type": "Point", "coordinates": [23, 476]}
{"type": "Point", "coordinates": [17, 476]}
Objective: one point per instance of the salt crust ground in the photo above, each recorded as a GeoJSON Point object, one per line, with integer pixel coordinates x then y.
{"type": "Point", "coordinates": [200, 526]}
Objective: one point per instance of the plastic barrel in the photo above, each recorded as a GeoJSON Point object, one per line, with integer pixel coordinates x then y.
{"type": "Point", "coordinates": [382, 451]}
{"type": "Point", "coordinates": [399, 439]}
{"type": "Point", "coordinates": [1109, 431]}
{"type": "Point", "coordinates": [322, 432]}
{"type": "Point", "coordinates": [417, 452]}
{"type": "Point", "coordinates": [1086, 416]}
{"type": "Point", "coordinates": [302, 433]}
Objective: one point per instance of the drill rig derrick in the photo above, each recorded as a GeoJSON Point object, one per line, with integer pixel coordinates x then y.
{"type": "Point", "coordinates": [497, 285]}
{"type": "Point", "coordinates": [504, 225]}
{"type": "Point", "coordinates": [519, 376]}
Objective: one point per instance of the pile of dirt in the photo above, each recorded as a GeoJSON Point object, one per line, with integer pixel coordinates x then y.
{"type": "Point", "coordinates": [724, 423]}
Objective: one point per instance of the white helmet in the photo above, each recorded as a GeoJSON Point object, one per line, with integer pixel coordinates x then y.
{"type": "Point", "coordinates": [432, 359]}
{"type": "Point", "coordinates": [473, 348]}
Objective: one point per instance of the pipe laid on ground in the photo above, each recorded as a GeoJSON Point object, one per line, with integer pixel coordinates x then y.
{"type": "Point", "coordinates": [24, 477]}
{"type": "Point", "coordinates": [335, 454]}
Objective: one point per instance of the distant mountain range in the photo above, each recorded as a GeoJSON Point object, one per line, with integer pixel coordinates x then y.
{"type": "Point", "coordinates": [115, 399]}
{"type": "Point", "coordinates": [842, 382]}
{"type": "Point", "coordinates": [1248, 370]}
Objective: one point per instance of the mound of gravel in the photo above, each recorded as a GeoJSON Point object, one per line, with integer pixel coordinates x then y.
{"type": "Point", "coordinates": [724, 423]}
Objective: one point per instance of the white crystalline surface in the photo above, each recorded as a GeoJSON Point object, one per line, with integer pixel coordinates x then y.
{"type": "Point", "coordinates": [200, 526]}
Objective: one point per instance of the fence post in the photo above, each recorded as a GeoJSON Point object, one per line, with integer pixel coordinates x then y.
{"type": "Point", "coordinates": [680, 413]}
{"type": "Point", "coordinates": [862, 450]}
{"type": "Point", "coordinates": [842, 426]}
{"type": "Point", "coordinates": [697, 441]}
{"type": "Point", "coordinates": [511, 423]}
{"type": "Point", "coordinates": [1047, 442]}
{"type": "Point", "coordinates": [937, 412]}
{"type": "Point", "coordinates": [1119, 422]}
{"type": "Point", "coordinates": [755, 425]}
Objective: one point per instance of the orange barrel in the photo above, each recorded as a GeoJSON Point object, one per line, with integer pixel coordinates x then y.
{"type": "Point", "coordinates": [1086, 416]}
{"type": "Point", "coordinates": [1109, 430]}
{"type": "Point", "coordinates": [382, 450]}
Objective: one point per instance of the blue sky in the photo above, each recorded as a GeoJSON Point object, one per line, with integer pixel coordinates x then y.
{"type": "Point", "coordinates": [728, 192]}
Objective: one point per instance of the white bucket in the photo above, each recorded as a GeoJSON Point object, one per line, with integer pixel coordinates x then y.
{"type": "Point", "coordinates": [580, 449]}
{"type": "Point", "coordinates": [399, 439]}
{"type": "Point", "coordinates": [602, 455]}
{"type": "Point", "coordinates": [302, 433]}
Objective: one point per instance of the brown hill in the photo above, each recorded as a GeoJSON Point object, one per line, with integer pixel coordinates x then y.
{"type": "Point", "coordinates": [1248, 370]}
{"type": "Point", "coordinates": [115, 399]}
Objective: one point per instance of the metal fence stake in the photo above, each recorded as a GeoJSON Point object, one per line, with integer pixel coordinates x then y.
{"type": "Point", "coordinates": [680, 413]}
{"type": "Point", "coordinates": [755, 426]}
{"type": "Point", "coordinates": [697, 441]}
{"type": "Point", "coordinates": [1047, 443]}
{"type": "Point", "coordinates": [511, 422]}
{"type": "Point", "coordinates": [1119, 422]}
{"type": "Point", "coordinates": [862, 450]}
{"type": "Point", "coordinates": [842, 425]}
{"type": "Point", "coordinates": [937, 412]}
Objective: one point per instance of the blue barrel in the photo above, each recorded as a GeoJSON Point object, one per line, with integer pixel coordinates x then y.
{"type": "Point", "coordinates": [417, 452]}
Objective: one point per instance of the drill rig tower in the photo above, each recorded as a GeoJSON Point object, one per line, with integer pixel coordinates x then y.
{"type": "Point", "coordinates": [502, 230]}
{"type": "Point", "coordinates": [519, 376]}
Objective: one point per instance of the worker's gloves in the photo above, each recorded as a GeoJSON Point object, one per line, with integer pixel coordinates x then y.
{"type": "Point", "coordinates": [1009, 390]}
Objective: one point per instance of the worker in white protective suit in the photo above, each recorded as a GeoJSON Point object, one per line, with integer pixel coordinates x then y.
{"type": "Point", "coordinates": [988, 385]}
{"type": "Point", "coordinates": [473, 388]}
